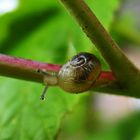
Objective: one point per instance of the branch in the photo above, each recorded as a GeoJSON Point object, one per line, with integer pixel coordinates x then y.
{"type": "Point", "coordinates": [127, 77]}
{"type": "Point", "coordinates": [126, 73]}
{"type": "Point", "coordinates": [24, 69]}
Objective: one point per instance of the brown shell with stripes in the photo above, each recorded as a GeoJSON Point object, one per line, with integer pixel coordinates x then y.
{"type": "Point", "coordinates": [79, 74]}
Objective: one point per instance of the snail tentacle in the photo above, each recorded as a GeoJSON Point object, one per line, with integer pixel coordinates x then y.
{"type": "Point", "coordinates": [76, 76]}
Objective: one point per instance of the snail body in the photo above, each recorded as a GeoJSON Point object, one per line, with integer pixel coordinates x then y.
{"type": "Point", "coordinates": [79, 74]}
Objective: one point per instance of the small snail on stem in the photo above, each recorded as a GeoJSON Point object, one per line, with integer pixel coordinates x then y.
{"type": "Point", "coordinates": [76, 76]}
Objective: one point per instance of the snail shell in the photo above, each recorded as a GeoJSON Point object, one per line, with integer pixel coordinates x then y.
{"type": "Point", "coordinates": [79, 74]}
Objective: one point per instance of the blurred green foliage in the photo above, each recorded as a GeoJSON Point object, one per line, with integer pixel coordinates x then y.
{"type": "Point", "coordinates": [44, 31]}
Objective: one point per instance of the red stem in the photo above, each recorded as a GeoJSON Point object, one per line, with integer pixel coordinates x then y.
{"type": "Point", "coordinates": [106, 77]}
{"type": "Point", "coordinates": [26, 69]}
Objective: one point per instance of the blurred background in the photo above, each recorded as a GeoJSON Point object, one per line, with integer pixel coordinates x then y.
{"type": "Point", "coordinates": [44, 31]}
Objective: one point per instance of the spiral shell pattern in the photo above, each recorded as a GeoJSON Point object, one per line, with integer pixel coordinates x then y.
{"type": "Point", "coordinates": [79, 74]}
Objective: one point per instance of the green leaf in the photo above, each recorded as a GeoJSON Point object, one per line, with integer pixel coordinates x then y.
{"type": "Point", "coordinates": [24, 116]}
{"type": "Point", "coordinates": [104, 10]}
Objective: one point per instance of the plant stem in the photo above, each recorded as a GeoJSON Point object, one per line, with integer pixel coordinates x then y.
{"type": "Point", "coordinates": [126, 73]}
{"type": "Point", "coordinates": [24, 69]}
{"type": "Point", "coordinates": [105, 77]}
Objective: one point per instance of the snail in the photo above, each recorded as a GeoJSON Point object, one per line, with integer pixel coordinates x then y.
{"type": "Point", "coordinates": [76, 76]}
{"type": "Point", "coordinates": [80, 73]}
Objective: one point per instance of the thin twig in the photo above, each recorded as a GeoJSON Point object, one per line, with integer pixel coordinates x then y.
{"type": "Point", "coordinates": [24, 69]}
